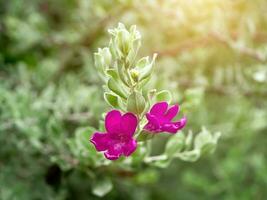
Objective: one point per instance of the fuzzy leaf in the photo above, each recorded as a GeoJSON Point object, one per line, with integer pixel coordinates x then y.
{"type": "Point", "coordinates": [136, 103]}
{"type": "Point", "coordinates": [189, 140]}
{"type": "Point", "coordinates": [164, 95]}
{"type": "Point", "coordinates": [102, 187]}
{"type": "Point", "coordinates": [111, 99]}
{"type": "Point", "coordinates": [175, 144]}
{"type": "Point", "coordinates": [112, 73]}
{"type": "Point", "coordinates": [144, 67]}
{"type": "Point", "coordinates": [116, 88]}
{"type": "Point", "coordinates": [190, 156]}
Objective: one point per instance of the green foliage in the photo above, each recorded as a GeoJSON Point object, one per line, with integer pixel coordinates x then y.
{"type": "Point", "coordinates": [211, 57]}
{"type": "Point", "coordinates": [136, 103]}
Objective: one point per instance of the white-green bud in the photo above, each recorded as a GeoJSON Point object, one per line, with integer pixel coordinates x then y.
{"type": "Point", "coordinates": [107, 57]}
{"type": "Point", "coordinates": [134, 74]}
{"type": "Point", "coordinates": [99, 61]}
{"type": "Point", "coordinates": [103, 58]}
{"type": "Point", "coordinates": [124, 41]}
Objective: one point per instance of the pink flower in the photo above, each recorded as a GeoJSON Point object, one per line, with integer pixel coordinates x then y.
{"type": "Point", "coordinates": [160, 119]}
{"type": "Point", "coordinates": [118, 139]}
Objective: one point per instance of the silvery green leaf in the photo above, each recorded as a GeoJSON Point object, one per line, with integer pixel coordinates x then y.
{"type": "Point", "coordinates": [112, 73]}
{"type": "Point", "coordinates": [123, 39]}
{"type": "Point", "coordinates": [162, 163]}
{"type": "Point", "coordinates": [189, 140]}
{"type": "Point", "coordinates": [136, 103]}
{"type": "Point", "coordinates": [190, 156]}
{"type": "Point", "coordinates": [134, 74]}
{"type": "Point", "coordinates": [210, 148]}
{"type": "Point", "coordinates": [115, 52]}
{"type": "Point", "coordinates": [175, 144]}
{"type": "Point", "coordinates": [107, 57]}
{"type": "Point", "coordinates": [152, 93]}
{"type": "Point", "coordinates": [113, 100]}
{"type": "Point", "coordinates": [116, 88]}
{"type": "Point", "coordinates": [145, 67]}
{"type": "Point", "coordinates": [133, 52]}
{"type": "Point", "coordinates": [205, 141]}
{"type": "Point", "coordinates": [143, 82]}
{"type": "Point", "coordinates": [99, 62]}
{"type": "Point", "coordinates": [164, 95]}
{"type": "Point", "coordinates": [102, 187]}
{"type": "Point", "coordinates": [121, 25]}
{"type": "Point", "coordinates": [202, 138]}
{"type": "Point", "coordinates": [103, 58]}
{"type": "Point", "coordinates": [135, 33]}
{"type": "Point", "coordinates": [121, 73]}
{"type": "Point", "coordinates": [142, 63]}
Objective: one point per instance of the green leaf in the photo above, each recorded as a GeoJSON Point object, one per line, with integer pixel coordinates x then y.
{"type": "Point", "coordinates": [162, 163]}
{"type": "Point", "coordinates": [164, 95]}
{"type": "Point", "coordinates": [190, 156]}
{"type": "Point", "coordinates": [99, 62]}
{"type": "Point", "coordinates": [116, 88]}
{"type": "Point", "coordinates": [211, 146]}
{"type": "Point", "coordinates": [156, 158]}
{"type": "Point", "coordinates": [136, 103]}
{"type": "Point", "coordinates": [102, 187]}
{"type": "Point", "coordinates": [144, 67]}
{"type": "Point", "coordinates": [121, 73]}
{"type": "Point", "coordinates": [202, 139]}
{"type": "Point", "coordinates": [112, 100]}
{"type": "Point", "coordinates": [189, 141]}
{"type": "Point", "coordinates": [175, 144]}
{"type": "Point", "coordinates": [103, 58]}
{"type": "Point", "coordinates": [106, 56]}
{"type": "Point", "coordinates": [112, 73]}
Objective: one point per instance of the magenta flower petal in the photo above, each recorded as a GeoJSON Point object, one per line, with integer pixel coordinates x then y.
{"type": "Point", "coordinates": [129, 147]}
{"type": "Point", "coordinates": [160, 119]}
{"type": "Point", "coordinates": [159, 109]}
{"type": "Point", "coordinates": [153, 124]}
{"type": "Point", "coordinates": [112, 121]}
{"type": "Point", "coordinates": [111, 156]}
{"type": "Point", "coordinates": [172, 112]}
{"type": "Point", "coordinates": [114, 151]}
{"type": "Point", "coordinates": [181, 123]}
{"type": "Point", "coordinates": [101, 141]}
{"type": "Point", "coordinates": [170, 128]}
{"type": "Point", "coordinates": [119, 139]}
{"type": "Point", "coordinates": [128, 124]}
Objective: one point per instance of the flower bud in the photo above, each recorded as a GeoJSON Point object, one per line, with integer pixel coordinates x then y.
{"type": "Point", "coordinates": [124, 41]}
{"type": "Point", "coordinates": [107, 57]}
{"type": "Point", "coordinates": [99, 61]}
{"type": "Point", "coordinates": [134, 74]}
{"type": "Point", "coordinates": [103, 58]}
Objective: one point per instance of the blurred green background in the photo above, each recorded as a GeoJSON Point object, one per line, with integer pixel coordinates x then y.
{"type": "Point", "coordinates": [212, 56]}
